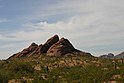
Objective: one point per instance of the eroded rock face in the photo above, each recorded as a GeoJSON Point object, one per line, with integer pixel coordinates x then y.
{"type": "Point", "coordinates": [62, 47]}
{"type": "Point", "coordinates": [44, 48]}
{"type": "Point", "coordinates": [26, 52]}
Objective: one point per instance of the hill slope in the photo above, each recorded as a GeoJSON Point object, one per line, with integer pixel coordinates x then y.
{"type": "Point", "coordinates": [121, 55]}
{"type": "Point", "coordinates": [66, 69]}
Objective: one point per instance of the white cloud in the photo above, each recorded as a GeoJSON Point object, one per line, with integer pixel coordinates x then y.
{"type": "Point", "coordinates": [2, 37]}
{"type": "Point", "coordinates": [82, 32]}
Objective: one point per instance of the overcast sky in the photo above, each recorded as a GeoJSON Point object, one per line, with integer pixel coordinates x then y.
{"type": "Point", "coordinates": [95, 26]}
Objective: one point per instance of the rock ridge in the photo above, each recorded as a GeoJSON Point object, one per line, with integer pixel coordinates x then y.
{"type": "Point", "coordinates": [52, 47]}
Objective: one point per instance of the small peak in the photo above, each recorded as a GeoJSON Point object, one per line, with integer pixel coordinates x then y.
{"type": "Point", "coordinates": [40, 45]}
{"type": "Point", "coordinates": [33, 44]}
{"type": "Point", "coordinates": [56, 36]}
{"type": "Point", "coordinates": [44, 48]}
{"type": "Point", "coordinates": [53, 38]}
{"type": "Point", "coordinates": [62, 39]}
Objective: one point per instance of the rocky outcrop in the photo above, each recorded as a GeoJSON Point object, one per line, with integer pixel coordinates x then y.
{"type": "Point", "coordinates": [62, 47]}
{"type": "Point", "coordinates": [52, 47]}
{"type": "Point", "coordinates": [119, 56]}
{"type": "Point", "coordinates": [44, 48]}
{"type": "Point", "coordinates": [109, 55]}
{"type": "Point", "coordinates": [26, 52]}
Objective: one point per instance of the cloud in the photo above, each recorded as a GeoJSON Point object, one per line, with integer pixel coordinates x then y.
{"type": "Point", "coordinates": [77, 7]}
{"type": "Point", "coordinates": [91, 32]}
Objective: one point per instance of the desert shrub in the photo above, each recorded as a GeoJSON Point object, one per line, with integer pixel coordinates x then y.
{"type": "Point", "coordinates": [88, 73]}
{"type": "Point", "coordinates": [5, 75]}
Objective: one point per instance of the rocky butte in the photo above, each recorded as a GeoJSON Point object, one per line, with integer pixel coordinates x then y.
{"type": "Point", "coordinates": [53, 47]}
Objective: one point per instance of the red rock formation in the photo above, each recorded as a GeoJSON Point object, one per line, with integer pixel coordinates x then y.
{"type": "Point", "coordinates": [44, 48]}
{"type": "Point", "coordinates": [26, 52]}
{"type": "Point", "coordinates": [53, 47]}
{"type": "Point", "coordinates": [62, 47]}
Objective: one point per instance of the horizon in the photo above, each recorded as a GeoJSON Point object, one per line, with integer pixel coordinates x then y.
{"type": "Point", "coordinates": [95, 26]}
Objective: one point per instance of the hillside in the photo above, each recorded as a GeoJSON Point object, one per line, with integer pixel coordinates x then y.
{"type": "Point", "coordinates": [121, 55]}
{"type": "Point", "coordinates": [66, 69]}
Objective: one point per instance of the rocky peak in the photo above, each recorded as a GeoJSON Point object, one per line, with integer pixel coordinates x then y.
{"type": "Point", "coordinates": [62, 47]}
{"type": "Point", "coordinates": [33, 44]}
{"type": "Point", "coordinates": [26, 52]}
{"type": "Point", "coordinates": [52, 40]}
{"type": "Point", "coordinates": [109, 55]}
{"type": "Point", "coordinates": [44, 48]}
{"type": "Point", "coordinates": [52, 47]}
